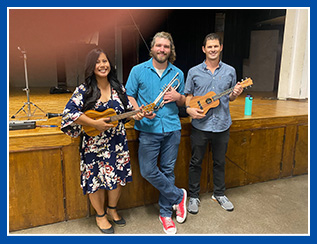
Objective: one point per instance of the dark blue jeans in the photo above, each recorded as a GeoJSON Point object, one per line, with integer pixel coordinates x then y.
{"type": "Point", "coordinates": [163, 178]}
{"type": "Point", "coordinates": [219, 143]}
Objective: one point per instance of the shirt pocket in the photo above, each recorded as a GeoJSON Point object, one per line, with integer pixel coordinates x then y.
{"type": "Point", "coordinates": [225, 83]}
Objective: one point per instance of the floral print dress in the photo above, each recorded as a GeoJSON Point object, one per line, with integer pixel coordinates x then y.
{"type": "Point", "coordinates": [104, 159]}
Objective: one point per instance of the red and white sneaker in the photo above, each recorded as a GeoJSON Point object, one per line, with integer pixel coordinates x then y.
{"type": "Point", "coordinates": [181, 212]}
{"type": "Point", "coordinates": [168, 225]}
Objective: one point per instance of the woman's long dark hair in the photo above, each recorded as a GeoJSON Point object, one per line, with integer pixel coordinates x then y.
{"type": "Point", "coordinates": [93, 93]}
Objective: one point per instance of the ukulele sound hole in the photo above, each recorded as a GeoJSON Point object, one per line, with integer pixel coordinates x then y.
{"type": "Point", "coordinates": [208, 100]}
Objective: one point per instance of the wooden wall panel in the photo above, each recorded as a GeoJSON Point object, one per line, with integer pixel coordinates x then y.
{"type": "Point", "coordinates": [288, 150]}
{"type": "Point", "coordinates": [133, 193]}
{"type": "Point", "coordinates": [265, 155]}
{"type": "Point", "coordinates": [236, 158]}
{"type": "Point", "coordinates": [182, 163]}
{"type": "Point", "coordinates": [301, 151]}
{"type": "Point", "coordinates": [151, 194]}
{"type": "Point", "coordinates": [76, 201]}
{"type": "Point", "coordinates": [35, 189]}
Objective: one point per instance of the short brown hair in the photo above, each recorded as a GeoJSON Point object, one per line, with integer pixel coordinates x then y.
{"type": "Point", "coordinates": [212, 36]}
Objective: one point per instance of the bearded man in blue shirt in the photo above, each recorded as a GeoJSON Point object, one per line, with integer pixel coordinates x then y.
{"type": "Point", "coordinates": [160, 132]}
{"type": "Point", "coordinates": [213, 126]}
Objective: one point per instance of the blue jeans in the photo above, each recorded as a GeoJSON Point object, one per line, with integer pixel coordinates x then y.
{"type": "Point", "coordinates": [163, 178]}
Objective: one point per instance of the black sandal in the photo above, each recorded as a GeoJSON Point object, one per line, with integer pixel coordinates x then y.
{"type": "Point", "coordinates": [105, 231]}
{"type": "Point", "coordinates": [121, 222]}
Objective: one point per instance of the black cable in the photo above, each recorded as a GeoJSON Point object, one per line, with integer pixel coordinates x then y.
{"type": "Point", "coordinates": [139, 31]}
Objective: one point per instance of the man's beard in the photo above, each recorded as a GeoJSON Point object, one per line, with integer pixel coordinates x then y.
{"type": "Point", "coordinates": [161, 59]}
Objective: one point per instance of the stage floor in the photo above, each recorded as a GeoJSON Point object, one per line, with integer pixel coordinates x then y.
{"type": "Point", "coordinates": [265, 105]}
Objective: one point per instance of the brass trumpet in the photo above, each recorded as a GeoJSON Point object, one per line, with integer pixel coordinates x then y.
{"type": "Point", "coordinates": [165, 89]}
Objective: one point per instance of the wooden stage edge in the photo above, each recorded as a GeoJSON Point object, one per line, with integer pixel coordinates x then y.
{"type": "Point", "coordinates": [265, 107]}
{"type": "Point", "coordinates": [44, 177]}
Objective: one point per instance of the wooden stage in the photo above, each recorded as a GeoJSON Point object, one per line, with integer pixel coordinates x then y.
{"type": "Point", "coordinates": [44, 183]}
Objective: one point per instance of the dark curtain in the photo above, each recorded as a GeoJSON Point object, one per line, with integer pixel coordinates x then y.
{"type": "Point", "coordinates": [237, 39]}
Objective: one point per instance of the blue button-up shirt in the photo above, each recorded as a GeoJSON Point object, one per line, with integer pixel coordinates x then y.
{"type": "Point", "coordinates": [199, 82]}
{"type": "Point", "coordinates": [144, 84]}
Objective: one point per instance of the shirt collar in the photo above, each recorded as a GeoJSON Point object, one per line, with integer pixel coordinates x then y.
{"type": "Point", "coordinates": [149, 64]}
{"type": "Point", "coordinates": [205, 65]}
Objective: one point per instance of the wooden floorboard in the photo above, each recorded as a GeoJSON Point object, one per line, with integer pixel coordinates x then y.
{"type": "Point", "coordinates": [265, 104]}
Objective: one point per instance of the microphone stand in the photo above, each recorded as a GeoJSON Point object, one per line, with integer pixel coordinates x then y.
{"type": "Point", "coordinates": [27, 90]}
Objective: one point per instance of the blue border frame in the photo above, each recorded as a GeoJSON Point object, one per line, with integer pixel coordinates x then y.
{"type": "Point", "coordinates": [4, 4]}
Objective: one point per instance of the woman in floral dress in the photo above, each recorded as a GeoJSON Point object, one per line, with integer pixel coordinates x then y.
{"type": "Point", "coordinates": [105, 161]}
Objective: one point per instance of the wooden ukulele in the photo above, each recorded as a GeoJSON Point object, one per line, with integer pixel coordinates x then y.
{"type": "Point", "coordinates": [114, 117]}
{"type": "Point", "coordinates": [211, 99]}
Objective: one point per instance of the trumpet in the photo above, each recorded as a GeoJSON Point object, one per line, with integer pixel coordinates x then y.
{"type": "Point", "coordinates": [165, 89]}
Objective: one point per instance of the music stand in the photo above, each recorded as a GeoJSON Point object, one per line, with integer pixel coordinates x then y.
{"type": "Point", "coordinates": [29, 113]}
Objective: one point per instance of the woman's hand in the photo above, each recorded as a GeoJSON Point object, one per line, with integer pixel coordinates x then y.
{"type": "Point", "coordinates": [102, 125]}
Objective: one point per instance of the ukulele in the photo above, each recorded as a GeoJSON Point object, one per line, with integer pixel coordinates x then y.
{"type": "Point", "coordinates": [114, 117]}
{"type": "Point", "coordinates": [211, 99]}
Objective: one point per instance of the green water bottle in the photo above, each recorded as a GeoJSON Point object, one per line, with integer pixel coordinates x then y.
{"type": "Point", "coordinates": [248, 105]}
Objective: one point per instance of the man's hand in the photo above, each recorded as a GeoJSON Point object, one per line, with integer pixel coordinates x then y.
{"type": "Point", "coordinates": [195, 113]}
{"type": "Point", "coordinates": [237, 90]}
{"type": "Point", "coordinates": [140, 115]}
{"type": "Point", "coordinates": [149, 115]}
{"type": "Point", "coordinates": [171, 96]}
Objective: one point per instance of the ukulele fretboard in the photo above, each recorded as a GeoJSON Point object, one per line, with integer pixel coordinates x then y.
{"type": "Point", "coordinates": [216, 97]}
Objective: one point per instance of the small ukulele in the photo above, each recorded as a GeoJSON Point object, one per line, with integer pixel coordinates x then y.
{"type": "Point", "coordinates": [211, 99]}
{"type": "Point", "coordinates": [114, 117]}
